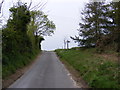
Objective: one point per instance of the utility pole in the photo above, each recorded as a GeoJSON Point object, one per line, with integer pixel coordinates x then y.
{"type": "Point", "coordinates": [68, 44]}
{"type": "Point", "coordinates": [64, 44]}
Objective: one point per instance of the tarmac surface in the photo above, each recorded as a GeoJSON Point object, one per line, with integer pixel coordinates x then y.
{"type": "Point", "coordinates": [46, 72]}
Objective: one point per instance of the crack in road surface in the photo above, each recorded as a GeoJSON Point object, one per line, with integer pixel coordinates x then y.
{"type": "Point", "coordinates": [47, 72]}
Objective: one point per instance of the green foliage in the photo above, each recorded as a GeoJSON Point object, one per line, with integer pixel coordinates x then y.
{"type": "Point", "coordinates": [20, 17]}
{"type": "Point", "coordinates": [17, 48]}
{"type": "Point", "coordinates": [38, 27]}
{"type": "Point", "coordinates": [98, 72]}
{"type": "Point", "coordinates": [42, 26]}
{"type": "Point", "coordinates": [100, 26]}
{"type": "Point", "coordinates": [22, 37]}
{"type": "Point", "coordinates": [91, 29]}
{"type": "Point", "coordinates": [116, 18]}
{"type": "Point", "coordinates": [17, 61]}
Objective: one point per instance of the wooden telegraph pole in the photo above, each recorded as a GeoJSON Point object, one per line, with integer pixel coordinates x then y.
{"type": "Point", "coordinates": [68, 44]}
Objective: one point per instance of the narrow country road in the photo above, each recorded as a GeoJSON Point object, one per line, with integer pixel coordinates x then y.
{"type": "Point", "coordinates": [47, 72]}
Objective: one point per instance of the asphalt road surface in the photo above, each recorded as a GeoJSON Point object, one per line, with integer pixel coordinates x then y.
{"type": "Point", "coordinates": [46, 72]}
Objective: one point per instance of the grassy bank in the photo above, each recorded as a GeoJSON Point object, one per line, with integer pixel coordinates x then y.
{"type": "Point", "coordinates": [98, 70]}
{"type": "Point", "coordinates": [19, 61]}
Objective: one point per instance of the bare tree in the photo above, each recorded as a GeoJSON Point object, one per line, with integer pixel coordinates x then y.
{"type": "Point", "coordinates": [30, 4]}
{"type": "Point", "coordinates": [1, 5]}
{"type": "Point", "coordinates": [39, 6]}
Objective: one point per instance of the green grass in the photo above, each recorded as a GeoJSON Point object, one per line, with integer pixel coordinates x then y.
{"type": "Point", "coordinates": [19, 61]}
{"type": "Point", "coordinates": [98, 72]}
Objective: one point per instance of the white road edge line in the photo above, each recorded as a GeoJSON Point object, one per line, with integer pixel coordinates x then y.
{"type": "Point", "coordinates": [74, 82]}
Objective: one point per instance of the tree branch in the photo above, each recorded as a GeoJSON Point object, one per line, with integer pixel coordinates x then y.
{"type": "Point", "coordinates": [1, 5]}
{"type": "Point", "coordinates": [30, 5]}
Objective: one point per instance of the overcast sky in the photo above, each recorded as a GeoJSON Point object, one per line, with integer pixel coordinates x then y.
{"type": "Point", "coordinates": [66, 16]}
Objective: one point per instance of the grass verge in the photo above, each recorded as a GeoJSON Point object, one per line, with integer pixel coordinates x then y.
{"type": "Point", "coordinates": [96, 70]}
{"type": "Point", "coordinates": [21, 61]}
{"type": "Point", "coordinates": [19, 72]}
